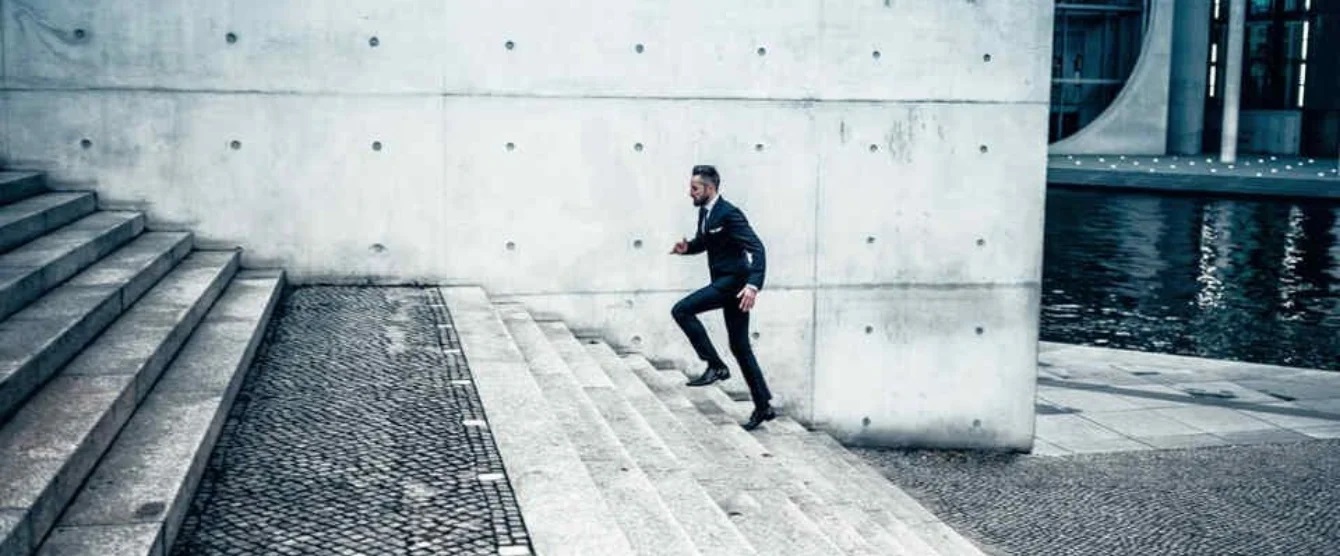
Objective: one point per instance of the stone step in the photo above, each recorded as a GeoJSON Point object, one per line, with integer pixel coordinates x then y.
{"type": "Point", "coordinates": [910, 524]}
{"type": "Point", "coordinates": [705, 521]}
{"type": "Point", "coordinates": [824, 475]}
{"type": "Point", "coordinates": [28, 219]}
{"type": "Point", "coordinates": [54, 441]}
{"type": "Point", "coordinates": [563, 509]}
{"type": "Point", "coordinates": [41, 264]}
{"type": "Point", "coordinates": [17, 186]}
{"type": "Point", "coordinates": [136, 498]}
{"type": "Point", "coordinates": [747, 484]}
{"type": "Point", "coordinates": [37, 341]}
{"type": "Point", "coordinates": [902, 509]}
{"type": "Point", "coordinates": [850, 526]}
{"type": "Point", "coordinates": [852, 535]}
{"type": "Point", "coordinates": [640, 511]}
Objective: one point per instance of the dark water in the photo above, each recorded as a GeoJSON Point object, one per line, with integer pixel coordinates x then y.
{"type": "Point", "coordinates": [1247, 280]}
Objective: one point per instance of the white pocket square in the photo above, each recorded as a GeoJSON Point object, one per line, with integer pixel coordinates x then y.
{"type": "Point", "coordinates": [715, 230]}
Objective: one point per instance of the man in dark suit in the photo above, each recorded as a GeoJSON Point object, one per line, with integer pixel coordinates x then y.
{"type": "Point", "coordinates": [735, 260]}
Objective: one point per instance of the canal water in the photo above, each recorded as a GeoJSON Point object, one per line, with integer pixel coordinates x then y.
{"type": "Point", "coordinates": [1248, 280]}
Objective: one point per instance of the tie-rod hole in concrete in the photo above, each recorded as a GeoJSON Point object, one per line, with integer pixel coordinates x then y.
{"type": "Point", "coordinates": [230, 38]}
{"type": "Point", "coordinates": [986, 57]}
{"type": "Point", "coordinates": [235, 144]}
{"type": "Point", "coordinates": [980, 330]}
{"type": "Point", "coordinates": [869, 239]}
{"type": "Point", "coordinates": [374, 42]}
{"type": "Point", "coordinates": [637, 244]}
{"type": "Point", "coordinates": [637, 147]}
{"type": "Point", "coordinates": [637, 340]}
{"type": "Point", "coordinates": [983, 148]}
{"type": "Point", "coordinates": [511, 246]}
{"type": "Point", "coordinates": [509, 45]}
{"type": "Point", "coordinates": [754, 335]}
{"type": "Point", "coordinates": [86, 143]}
{"type": "Point", "coordinates": [869, 330]}
{"type": "Point", "coordinates": [981, 242]}
{"type": "Point", "coordinates": [875, 54]}
{"type": "Point", "coordinates": [79, 34]}
{"type": "Point", "coordinates": [762, 51]}
{"type": "Point", "coordinates": [511, 146]}
{"type": "Point", "coordinates": [874, 148]}
{"type": "Point", "coordinates": [376, 145]}
{"type": "Point", "coordinates": [758, 147]}
{"type": "Point", "coordinates": [639, 48]}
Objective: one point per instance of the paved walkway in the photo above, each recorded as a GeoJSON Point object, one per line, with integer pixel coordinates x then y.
{"type": "Point", "coordinates": [1105, 400]}
{"type": "Point", "coordinates": [1159, 454]}
{"type": "Point", "coordinates": [357, 431]}
{"type": "Point", "coordinates": [1250, 175]}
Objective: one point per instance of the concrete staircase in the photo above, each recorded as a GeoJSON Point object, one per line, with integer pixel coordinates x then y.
{"type": "Point", "coordinates": [120, 353]}
{"type": "Point", "coordinates": [609, 455]}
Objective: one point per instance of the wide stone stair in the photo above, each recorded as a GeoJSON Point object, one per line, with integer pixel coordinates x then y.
{"type": "Point", "coordinates": [121, 351]}
{"type": "Point", "coordinates": [609, 455]}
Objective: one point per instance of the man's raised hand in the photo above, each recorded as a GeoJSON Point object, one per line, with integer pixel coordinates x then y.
{"type": "Point", "coordinates": [681, 247]}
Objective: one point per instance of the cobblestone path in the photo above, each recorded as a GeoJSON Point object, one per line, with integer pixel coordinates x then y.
{"type": "Point", "coordinates": [356, 432]}
{"type": "Point", "coordinates": [1262, 500]}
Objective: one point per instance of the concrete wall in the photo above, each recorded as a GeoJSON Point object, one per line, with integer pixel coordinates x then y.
{"type": "Point", "coordinates": [1137, 121]}
{"type": "Point", "coordinates": [900, 195]}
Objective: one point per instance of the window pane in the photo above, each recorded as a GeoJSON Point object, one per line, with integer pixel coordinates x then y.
{"type": "Point", "coordinates": [1293, 40]}
{"type": "Point", "coordinates": [1258, 39]}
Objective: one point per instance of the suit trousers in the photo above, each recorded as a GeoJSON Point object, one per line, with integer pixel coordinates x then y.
{"type": "Point", "coordinates": [737, 329]}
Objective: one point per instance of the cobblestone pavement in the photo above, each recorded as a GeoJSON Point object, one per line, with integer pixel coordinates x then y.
{"type": "Point", "coordinates": [354, 434]}
{"type": "Point", "coordinates": [1261, 500]}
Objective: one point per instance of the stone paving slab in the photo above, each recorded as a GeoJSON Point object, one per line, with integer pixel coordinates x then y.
{"type": "Point", "coordinates": [1094, 400]}
{"type": "Point", "coordinates": [1276, 499]}
{"type": "Point", "coordinates": [349, 436]}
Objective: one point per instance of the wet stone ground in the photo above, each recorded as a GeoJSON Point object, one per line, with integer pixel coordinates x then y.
{"type": "Point", "coordinates": [1262, 500]}
{"type": "Point", "coordinates": [352, 434]}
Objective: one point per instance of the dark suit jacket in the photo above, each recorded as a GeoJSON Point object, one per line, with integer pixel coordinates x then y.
{"type": "Point", "coordinates": [730, 244]}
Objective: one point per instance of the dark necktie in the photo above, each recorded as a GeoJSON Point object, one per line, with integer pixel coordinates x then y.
{"type": "Point", "coordinates": [702, 218]}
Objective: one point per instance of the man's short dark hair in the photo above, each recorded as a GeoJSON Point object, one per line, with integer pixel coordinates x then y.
{"type": "Point", "coordinates": [709, 174]}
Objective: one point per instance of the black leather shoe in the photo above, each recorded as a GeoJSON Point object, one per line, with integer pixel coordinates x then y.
{"type": "Point", "coordinates": [710, 375]}
{"type": "Point", "coordinates": [759, 416]}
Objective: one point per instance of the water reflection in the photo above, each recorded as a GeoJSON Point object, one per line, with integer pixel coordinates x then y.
{"type": "Point", "coordinates": [1229, 279]}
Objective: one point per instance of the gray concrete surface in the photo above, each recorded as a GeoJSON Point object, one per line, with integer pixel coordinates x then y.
{"type": "Point", "coordinates": [1106, 400]}
{"type": "Point", "coordinates": [136, 539]}
{"type": "Point", "coordinates": [1136, 123]}
{"type": "Point", "coordinates": [1256, 175]}
{"type": "Point", "coordinates": [70, 421]}
{"type": "Point", "coordinates": [143, 485]}
{"type": "Point", "coordinates": [552, 484]}
{"type": "Point", "coordinates": [37, 341]}
{"type": "Point", "coordinates": [42, 264]}
{"type": "Point", "coordinates": [18, 185]}
{"type": "Point", "coordinates": [811, 109]}
{"type": "Point", "coordinates": [636, 505]}
{"type": "Point", "coordinates": [1188, 79]}
{"type": "Point", "coordinates": [1232, 76]}
{"type": "Point", "coordinates": [749, 492]}
{"type": "Point", "coordinates": [28, 219]}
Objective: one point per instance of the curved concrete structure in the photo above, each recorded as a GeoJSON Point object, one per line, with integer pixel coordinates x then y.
{"type": "Point", "coordinates": [891, 155]}
{"type": "Point", "coordinates": [1137, 120]}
